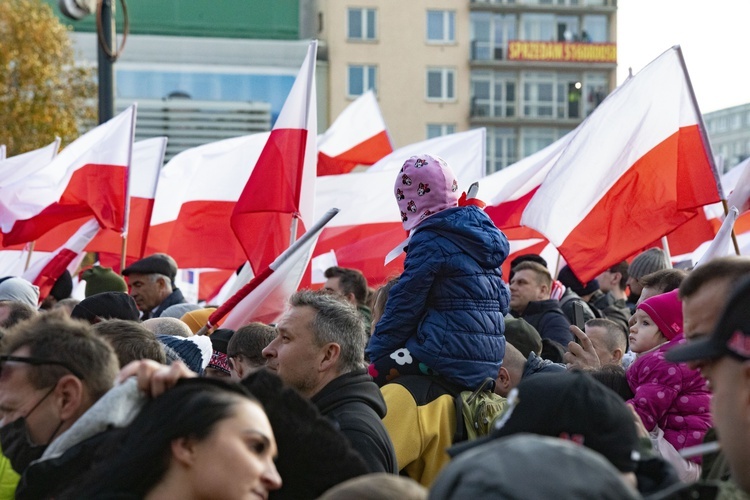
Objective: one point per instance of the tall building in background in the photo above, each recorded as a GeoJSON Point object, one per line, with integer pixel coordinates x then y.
{"type": "Point", "coordinates": [202, 71]}
{"type": "Point", "coordinates": [729, 133]}
{"type": "Point", "coordinates": [527, 70]}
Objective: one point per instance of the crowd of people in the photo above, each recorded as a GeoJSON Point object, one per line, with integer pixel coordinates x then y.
{"type": "Point", "coordinates": [362, 393]}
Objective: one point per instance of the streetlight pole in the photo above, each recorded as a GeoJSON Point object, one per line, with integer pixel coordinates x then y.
{"type": "Point", "coordinates": [105, 68]}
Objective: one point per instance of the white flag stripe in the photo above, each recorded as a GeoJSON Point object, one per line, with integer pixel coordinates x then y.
{"type": "Point", "coordinates": [358, 122]}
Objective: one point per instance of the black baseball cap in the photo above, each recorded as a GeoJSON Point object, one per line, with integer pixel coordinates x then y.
{"type": "Point", "coordinates": [731, 336]}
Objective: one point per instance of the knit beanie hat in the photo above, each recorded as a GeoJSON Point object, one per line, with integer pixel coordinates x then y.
{"type": "Point", "coordinates": [650, 261]}
{"type": "Point", "coordinates": [570, 280]}
{"type": "Point", "coordinates": [197, 319]}
{"type": "Point", "coordinates": [107, 305]}
{"type": "Point", "coordinates": [63, 287]}
{"type": "Point", "coordinates": [425, 186]}
{"type": "Point", "coordinates": [194, 351]}
{"type": "Point", "coordinates": [666, 311]}
{"type": "Point", "coordinates": [102, 279]}
{"type": "Point", "coordinates": [20, 290]}
{"type": "Point", "coordinates": [219, 342]}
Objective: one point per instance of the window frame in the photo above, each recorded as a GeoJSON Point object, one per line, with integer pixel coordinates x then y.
{"type": "Point", "coordinates": [363, 13]}
{"type": "Point", "coordinates": [444, 72]}
{"type": "Point", "coordinates": [448, 15]}
{"type": "Point", "coordinates": [366, 84]}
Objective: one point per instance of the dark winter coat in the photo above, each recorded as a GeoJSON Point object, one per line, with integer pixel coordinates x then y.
{"type": "Point", "coordinates": [549, 320]}
{"type": "Point", "coordinates": [173, 298]}
{"type": "Point", "coordinates": [447, 308]}
{"type": "Point", "coordinates": [354, 404]}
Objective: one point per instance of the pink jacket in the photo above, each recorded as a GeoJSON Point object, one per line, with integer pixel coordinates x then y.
{"type": "Point", "coordinates": [670, 396]}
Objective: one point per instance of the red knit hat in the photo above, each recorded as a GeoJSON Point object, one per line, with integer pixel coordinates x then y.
{"type": "Point", "coordinates": [666, 311]}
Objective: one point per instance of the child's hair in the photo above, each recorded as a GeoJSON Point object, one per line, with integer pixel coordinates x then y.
{"type": "Point", "coordinates": [425, 185]}
{"type": "Point", "coordinates": [665, 311]}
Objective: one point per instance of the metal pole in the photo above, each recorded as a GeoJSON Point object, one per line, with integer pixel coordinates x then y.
{"type": "Point", "coordinates": [106, 64]}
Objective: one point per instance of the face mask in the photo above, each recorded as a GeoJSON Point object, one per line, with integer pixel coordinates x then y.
{"type": "Point", "coordinates": [16, 442]}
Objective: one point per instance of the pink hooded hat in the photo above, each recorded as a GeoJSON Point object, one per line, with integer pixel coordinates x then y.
{"type": "Point", "coordinates": [425, 186]}
{"type": "Point", "coordinates": [666, 311]}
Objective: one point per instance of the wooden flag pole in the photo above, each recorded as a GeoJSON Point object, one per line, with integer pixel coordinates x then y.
{"type": "Point", "coordinates": [28, 257]}
{"type": "Point", "coordinates": [122, 252]}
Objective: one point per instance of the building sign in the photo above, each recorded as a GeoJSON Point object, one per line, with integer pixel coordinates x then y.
{"type": "Point", "coordinates": [562, 51]}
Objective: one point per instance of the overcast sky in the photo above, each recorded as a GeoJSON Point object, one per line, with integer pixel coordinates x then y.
{"type": "Point", "coordinates": [714, 36]}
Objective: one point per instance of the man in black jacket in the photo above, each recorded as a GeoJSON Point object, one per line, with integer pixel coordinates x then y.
{"type": "Point", "coordinates": [530, 300]}
{"type": "Point", "coordinates": [319, 351]}
{"type": "Point", "coordinates": [151, 284]}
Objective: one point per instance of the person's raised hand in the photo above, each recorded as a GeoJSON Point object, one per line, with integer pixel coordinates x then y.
{"type": "Point", "coordinates": [581, 355]}
{"type": "Point", "coordinates": [154, 378]}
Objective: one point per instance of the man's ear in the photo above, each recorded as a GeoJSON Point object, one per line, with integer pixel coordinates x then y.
{"type": "Point", "coordinates": [544, 291]}
{"type": "Point", "coordinates": [617, 355]}
{"type": "Point", "coordinates": [69, 396]}
{"type": "Point", "coordinates": [503, 381]}
{"type": "Point", "coordinates": [330, 356]}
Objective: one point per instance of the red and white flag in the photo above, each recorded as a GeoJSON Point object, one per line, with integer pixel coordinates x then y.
{"type": "Point", "coordinates": [19, 167]}
{"type": "Point", "coordinates": [281, 188]}
{"type": "Point", "coordinates": [508, 191]}
{"type": "Point", "coordinates": [45, 272]}
{"type": "Point", "coordinates": [88, 178]}
{"type": "Point", "coordinates": [721, 246]}
{"type": "Point", "coordinates": [357, 137]}
{"type": "Point", "coordinates": [265, 297]}
{"type": "Point", "coordinates": [369, 224]}
{"type": "Point", "coordinates": [636, 169]}
{"type": "Point", "coordinates": [195, 196]}
{"type": "Point", "coordinates": [148, 157]}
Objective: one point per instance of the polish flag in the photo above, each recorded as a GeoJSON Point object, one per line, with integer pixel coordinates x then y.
{"type": "Point", "coordinates": [148, 157]}
{"type": "Point", "coordinates": [19, 167]}
{"type": "Point", "coordinates": [281, 188]}
{"type": "Point", "coordinates": [265, 297]}
{"type": "Point", "coordinates": [721, 246]}
{"type": "Point", "coordinates": [740, 194]}
{"type": "Point", "coordinates": [46, 271]}
{"type": "Point", "coordinates": [195, 196]}
{"type": "Point", "coordinates": [636, 169]}
{"type": "Point", "coordinates": [357, 137]}
{"type": "Point", "coordinates": [2, 152]}
{"type": "Point", "coordinates": [89, 177]}
{"type": "Point", "coordinates": [508, 191]}
{"type": "Point", "coordinates": [369, 224]}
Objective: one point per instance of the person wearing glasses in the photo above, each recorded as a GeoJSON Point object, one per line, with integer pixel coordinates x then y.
{"type": "Point", "coordinates": [52, 370]}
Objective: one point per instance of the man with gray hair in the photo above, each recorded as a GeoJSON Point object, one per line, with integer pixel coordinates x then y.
{"type": "Point", "coordinates": [319, 350]}
{"type": "Point", "coordinates": [167, 326]}
{"type": "Point", "coordinates": [151, 284]}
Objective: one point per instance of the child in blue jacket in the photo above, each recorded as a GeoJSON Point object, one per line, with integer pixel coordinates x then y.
{"type": "Point", "coordinates": [445, 314]}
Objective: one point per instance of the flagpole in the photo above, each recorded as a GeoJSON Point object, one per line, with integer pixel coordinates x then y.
{"type": "Point", "coordinates": [734, 236]}
{"type": "Point", "coordinates": [227, 306]}
{"type": "Point", "coordinates": [701, 123]}
{"type": "Point", "coordinates": [123, 250]}
{"type": "Point", "coordinates": [665, 246]}
{"type": "Point", "coordinates": [28, 257]}
{"type": "Point", "coordinates": [293, 229]}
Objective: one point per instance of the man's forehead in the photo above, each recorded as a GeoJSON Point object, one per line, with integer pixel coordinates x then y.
{"type": "Point", "coordinates": [296, 318]}
{"type": "Point", "coordinates": [702, 310]}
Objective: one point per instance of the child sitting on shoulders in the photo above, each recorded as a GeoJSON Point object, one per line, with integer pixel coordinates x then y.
{"type": "Point", "coordinates": [445, 314]}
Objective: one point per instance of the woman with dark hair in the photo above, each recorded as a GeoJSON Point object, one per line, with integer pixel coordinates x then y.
{"type": "Point", "coordinates": [201, 439]}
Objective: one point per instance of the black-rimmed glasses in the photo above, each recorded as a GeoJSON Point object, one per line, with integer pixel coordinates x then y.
{"type": "Point", "coordinates": [38, 362]}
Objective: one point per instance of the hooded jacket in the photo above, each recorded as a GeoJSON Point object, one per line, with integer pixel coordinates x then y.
{"type": "Point", "coordinates": [447, 308]}
{"type": "Point", "coordinates": [354, 404]}
{"type": "Point", "coordinates": [549, 320]}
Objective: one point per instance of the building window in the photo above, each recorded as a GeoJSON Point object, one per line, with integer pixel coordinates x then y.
{"type": "Point", "coordinates": [360, 79]}
{"type": "Point", "coordinates": [441, 26]}
{"type": "Point", "coordinates": [441, 84]}
{"type": "Point", "coordinates": [440, 129]}
{"type": "Point", "coordinates": [493, 94]}
{"type": "Point", "coordinates": [361, 24]}
{"type": "Point", "coordinates": [538, 27]}
{"type": "Point", "coordinates": [594, 91]}
{"type": "Point", "coordinates": [490, 34]}
{"type": "Point", "coordinates": [536, 139]}
{"type": "Point", "coordinates": [502, 148]}
{"type": "Point", "coordinates": [595, 29]}
{"type": "Point", "coordinates": [538, 95]}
